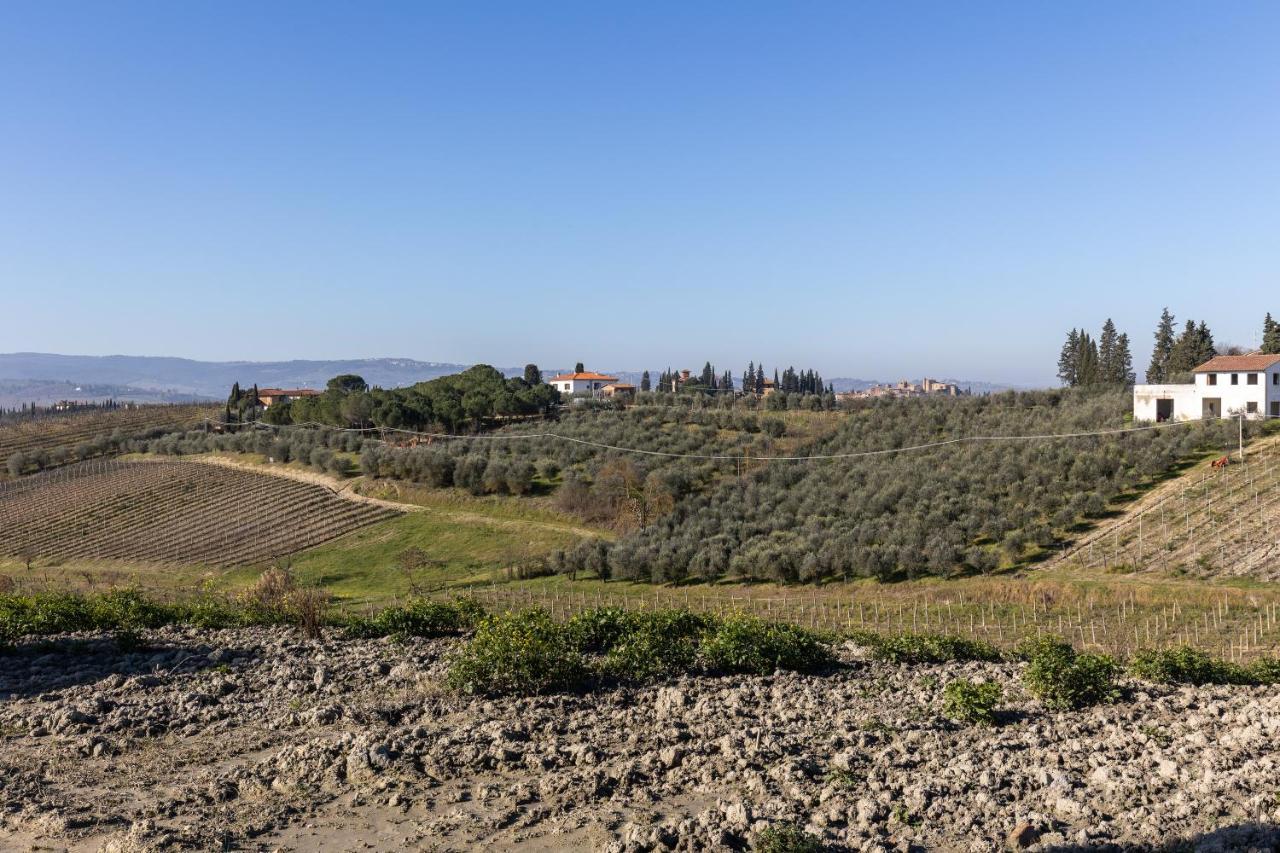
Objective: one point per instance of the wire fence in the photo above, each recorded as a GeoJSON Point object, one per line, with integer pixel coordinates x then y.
{"type": "Point", "coordinates": [1240, 628]}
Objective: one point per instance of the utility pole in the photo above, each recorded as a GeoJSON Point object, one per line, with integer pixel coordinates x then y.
{"type": "Point", "coordinates": [1241, 424]}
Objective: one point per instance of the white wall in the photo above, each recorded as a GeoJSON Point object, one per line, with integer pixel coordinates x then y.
{"type": "Point", "coordinates": [1235, 398]}
{"type": "Point", "coordinates": [1188, 399]}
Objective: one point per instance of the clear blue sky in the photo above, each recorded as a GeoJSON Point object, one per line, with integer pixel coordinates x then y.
{"type": "Point", "coordinates": [876, 190]}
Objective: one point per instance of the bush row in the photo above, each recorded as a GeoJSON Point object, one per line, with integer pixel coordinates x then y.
{"type": "Point", "coordinates": [274, 600]}
{"type": "Point", "coordinates": [527, 651]}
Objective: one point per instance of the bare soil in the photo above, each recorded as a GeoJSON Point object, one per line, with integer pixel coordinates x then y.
{"type": "Point", "coordinates": [257, 739]}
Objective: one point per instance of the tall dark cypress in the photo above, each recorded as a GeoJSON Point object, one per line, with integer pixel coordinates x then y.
{"type": "Point", "coordinates": [1069, 360]}
{"type": "Point", "coordinates": [1158, 372]}
{"type": "Point", "coordinates": [1270, 335]}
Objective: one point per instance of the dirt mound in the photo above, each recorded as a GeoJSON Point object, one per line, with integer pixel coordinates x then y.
{"type": "Point", "coordinates": [257, 739]}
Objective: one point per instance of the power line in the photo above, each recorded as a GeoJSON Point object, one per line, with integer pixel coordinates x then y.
{"type": "Point", "coordinates": [972, 439]}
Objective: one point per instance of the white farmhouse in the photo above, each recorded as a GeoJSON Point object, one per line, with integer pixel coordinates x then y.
{"type": "Point", "coordinates": [1225, 387]}
{"type": "Point", "coordinates": [581, 383]}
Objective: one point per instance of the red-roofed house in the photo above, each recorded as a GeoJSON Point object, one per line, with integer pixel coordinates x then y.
{"type": "Point", "coordinates": [581, 383]}
{"type": "Point", "coordinates": [1225, 387]}
{"type": "Point", "coordinates": [267, 396]}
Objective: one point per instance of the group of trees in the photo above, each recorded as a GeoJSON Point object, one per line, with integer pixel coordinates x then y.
{"type": "Point", "coordinates": [707, 381]}
{"type": "Point", "coordinates": [465, 401]}
{"type": "Point", "coordinates": [1107, 361]}
{"type": "Point", "coordinates": [34, 411]}
{"type": "Point", "coordinates": [1175, 356]}
{"type": "Point", "coordinates": [791, 381]}
{"type": "Point", "coordinates": [1085, 362]}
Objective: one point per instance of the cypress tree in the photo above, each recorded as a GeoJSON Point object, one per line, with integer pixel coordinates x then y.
{"type": "Point", "coordinates": [1124, 374]}
{"type": "Point", "coordinates": [1205, 349]}
{"type": "Point", "coordinates": [1183, 356]}
{"type": "Point", "coordinates": [1159, 371]}
{"type": "Point", "coordinates": [1087, 367]}
{"type": "Point", "coordinates": [1069, 360]}
{"type": "Point", "coordinates": [644, 381]}
{"type": "Point", "coordinates": [1270, 335]}
{"type": "Point", "coordinates": [1108, 371]}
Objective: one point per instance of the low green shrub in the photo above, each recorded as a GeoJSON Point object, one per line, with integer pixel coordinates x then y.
{"type": "Point", "coordinates": [130, 610]}
{"type": "Point", "coordinates": [214, 613]}
{"type": "Point", "coordinates": [1065, 679]}
{"type": "Point", "coordinates": [968, 702]}
{"type": "Point", "coordinates": [1264, 670]}
{"type": "Point", "coordinates": [786, 838]}
{"type": "Point", "coordinates": [419, 618]}
{"type": "Point", "coordinates": [926, 648]}
{"type": "Point", "coordinates": [1186, 665]}
{"type": "Point", "coordinates": [598, 630]}
{"type": "Point", "coordinates": [657, 644]}
{"type": "Point", "coordinates": [522, 652]}
{"type": "Point", "coordinates": [752, 645]}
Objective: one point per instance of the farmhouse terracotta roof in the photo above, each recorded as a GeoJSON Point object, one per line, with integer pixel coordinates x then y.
{"type": "Point", "coordinates": [1228, 363]}
{"type": "Point", "coordinates": [563, 377]}
{"type": "Point", "coordinates": [287, 392]}
{"type": "Point", "coordinates": [620, 385]}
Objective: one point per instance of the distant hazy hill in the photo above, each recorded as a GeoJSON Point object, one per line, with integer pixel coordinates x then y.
{"type": "Point", "coordinates": [15, 393]}
{"type": "Point", "coordinates": [131, 375]}
{"type": "Point", "coordinates": [45, 377]}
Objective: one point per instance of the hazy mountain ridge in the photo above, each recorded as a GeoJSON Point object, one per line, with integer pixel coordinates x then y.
{"type": "Point", "coordinates": [48, 377]}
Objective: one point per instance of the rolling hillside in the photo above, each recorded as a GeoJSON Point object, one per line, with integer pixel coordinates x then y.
{"type": "Point", "coordinates": [1206, 523]}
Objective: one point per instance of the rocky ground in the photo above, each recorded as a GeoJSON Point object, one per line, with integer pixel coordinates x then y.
{"type": "Point", "coordinates": [258, 739]}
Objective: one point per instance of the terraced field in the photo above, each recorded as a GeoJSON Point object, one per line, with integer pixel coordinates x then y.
{"type": "Point", "coordinates": [172, 511]}
{"type": "Point", "coordinates": [74, 428]}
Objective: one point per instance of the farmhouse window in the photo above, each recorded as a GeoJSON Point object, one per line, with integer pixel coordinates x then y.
{"type": "Point", "coordinates": [1235, 379]}
{"type": "Point", "coordinates": [1252, 379]}
{"type": "Point", "coordinates": [1213, 379]}
{"type": "Point", "coordinates": [1251, 407]}
{"type": "Point", "coordinates": [1275, 379]}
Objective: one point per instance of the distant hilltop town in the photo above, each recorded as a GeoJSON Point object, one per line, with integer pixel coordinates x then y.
{"type": "Point", "coordinates": [926, 387]}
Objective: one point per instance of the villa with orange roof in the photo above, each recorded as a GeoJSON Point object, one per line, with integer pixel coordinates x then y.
{"type": "Point", "coordinates": [586, 382]}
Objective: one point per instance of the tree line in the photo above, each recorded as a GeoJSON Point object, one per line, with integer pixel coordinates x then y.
{"type": "Point", "coordinates": [753, 381]}
{"type": "Point", "coordinates": [461, 402]}
{"type": "Point", "coordinates": [1085, 362]}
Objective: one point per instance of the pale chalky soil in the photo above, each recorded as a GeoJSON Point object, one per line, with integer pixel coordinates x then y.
{"type": "Point", "coordinates": [258, 739]}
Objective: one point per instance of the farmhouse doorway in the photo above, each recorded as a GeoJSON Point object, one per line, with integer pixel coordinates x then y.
{"type": "Point", "coordinates": [1164, 410]}
{"type": "Point", "coordinates": [1212, 407]}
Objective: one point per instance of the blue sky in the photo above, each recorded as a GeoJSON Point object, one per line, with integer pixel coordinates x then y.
{"type": "Point", "coordinates": [876, 190]}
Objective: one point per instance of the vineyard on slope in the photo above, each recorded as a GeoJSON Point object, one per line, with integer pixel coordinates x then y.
{"type": "Point", "coordinates": [50, 440]}
{"type": "Point", "coordinates": [171, 511]}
